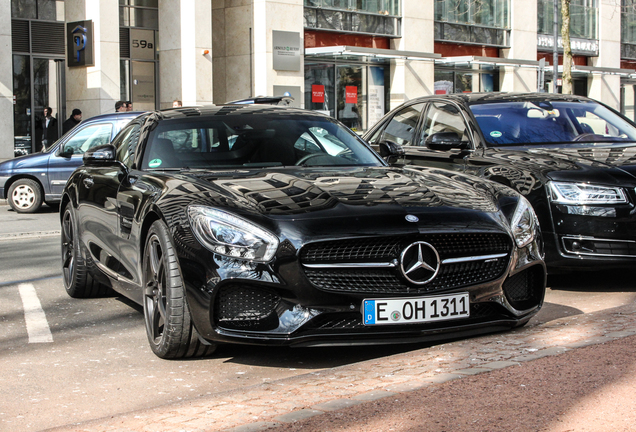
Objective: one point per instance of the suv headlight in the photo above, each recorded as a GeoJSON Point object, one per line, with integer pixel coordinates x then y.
{"type": "Point", "coordinates": [229, 235]}
{"type": "Point", "coordinates": [583, 194]}
{"type": "Point", "coordinates": [523, 223]}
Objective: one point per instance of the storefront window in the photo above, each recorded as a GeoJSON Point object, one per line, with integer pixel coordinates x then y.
{"type": "Point", "coordinates": [378, 17]}
{"type": "Point", "coordinates": [489, 13]}
{"type": "Point", "coordinates": [381, 7]}
{"type": "Point", "coordinates": [628, 22]}
{"type": "Point", "coordinates": [354, 94]}
{"type": "Point", "coordinates": [351, 97]}
{"type": "Point", "coordinates": [320, 92]}
{"type": "Point", "coordinates": [481, 78]}
{"type": "Point", "coordinates": [48, 10]}
{"type": "Point", "coordinates": [583, 18]}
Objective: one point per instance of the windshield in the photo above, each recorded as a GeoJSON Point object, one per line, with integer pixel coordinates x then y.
{"type": "Point", "coordinates": [550, 122]}
{"type": "Point", "coordinates": [254, 141]}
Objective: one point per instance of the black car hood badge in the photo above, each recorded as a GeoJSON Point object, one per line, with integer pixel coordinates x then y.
{"type": "Point", "coordinates": [419, 263]}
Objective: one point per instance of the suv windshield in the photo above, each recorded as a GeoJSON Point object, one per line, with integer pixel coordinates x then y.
{"type": "Point", "coordinates": [254, 141]}
{"type": "Point", "coordinates": [550, 122]}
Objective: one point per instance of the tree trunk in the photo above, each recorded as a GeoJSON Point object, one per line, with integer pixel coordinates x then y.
{"type": "Point", "coordinates": [567, 49]}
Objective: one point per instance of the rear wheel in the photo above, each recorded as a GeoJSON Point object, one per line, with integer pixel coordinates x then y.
{"type": "Point", "coordinates": [169, 326]}
{"type": "Point", "coordinates": [25, 196]}
{"type": "Point", "coordinates": [77, 280]}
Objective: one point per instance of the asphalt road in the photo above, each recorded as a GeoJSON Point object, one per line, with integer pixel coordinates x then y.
{"type": "Point", "coordinates": [97, 363]}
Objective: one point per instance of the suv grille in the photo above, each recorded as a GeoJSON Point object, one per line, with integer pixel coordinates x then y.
{"type": "Point", "coordinates": [378, 280]}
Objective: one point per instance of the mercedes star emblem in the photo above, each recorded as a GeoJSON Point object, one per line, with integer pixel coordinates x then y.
{"type": "Point", "coordinates": [419, 263]}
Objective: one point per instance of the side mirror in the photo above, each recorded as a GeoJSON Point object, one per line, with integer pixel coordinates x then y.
{"type": "Point", "coordinates": [391, 151]}
{"type": "Point", "coordinates": [446, 141]}
{"type": "Point", "coordinates": [100, 155]}
{"type": "Point", "coordinates": [66, 152]}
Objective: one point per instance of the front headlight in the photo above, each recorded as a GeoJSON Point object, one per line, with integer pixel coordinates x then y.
{"type": "Point", "coordinates": [584, 194]}
{"type": "Point", "coordinates": [231, 236]}
{"type": "Point", "coordinates": [523, 223]}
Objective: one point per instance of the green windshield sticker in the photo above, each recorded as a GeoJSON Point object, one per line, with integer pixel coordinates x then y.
{"type": "Point", "coordinates": [154, 163]}
{"type": "Point", "coordinates": [495, 134]}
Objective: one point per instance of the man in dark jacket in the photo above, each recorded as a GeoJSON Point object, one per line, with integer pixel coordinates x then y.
{"type": "Point", "coordinates": [72, 121]}
{"type": "Point", "coordinates": [46, 130]}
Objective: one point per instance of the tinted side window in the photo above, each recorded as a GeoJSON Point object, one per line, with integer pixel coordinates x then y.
{"type": "Point", "coordinates": [126, 143]}
{"type": "Point", "coordinates": [89, 137]}
{"type": "Point", "coordinates": [402, 127]}
{"type": "Point", "coordinates": [443, 117]}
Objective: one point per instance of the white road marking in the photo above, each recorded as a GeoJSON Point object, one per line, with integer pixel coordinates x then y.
{"type": "Point", "coordinates": [36, 323]}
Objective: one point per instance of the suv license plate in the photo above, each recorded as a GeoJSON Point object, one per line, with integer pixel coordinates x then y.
{"type": "Point", "coordinates": [416, 309]}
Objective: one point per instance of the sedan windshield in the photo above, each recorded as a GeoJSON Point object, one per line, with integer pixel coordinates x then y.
{"type": "Point", "coordinates": [550, 122]}
{"type": "Point", "coordinates": [254, 141]}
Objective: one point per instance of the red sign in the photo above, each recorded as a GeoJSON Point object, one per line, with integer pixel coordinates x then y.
{"type": "Point", "coordinates": [318, 93]}
{"type": "Point", "coordinates": [351, 94]}
{"type": "Point", "coordinates": [440, 91]}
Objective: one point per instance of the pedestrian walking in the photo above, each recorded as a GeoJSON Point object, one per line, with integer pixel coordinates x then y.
{"type": "Point", "coordinates": [72, 121]}
{"type": "Point", "coordinates": [176, 103]}
{"type": "Point", "coordinates": [120, 106]}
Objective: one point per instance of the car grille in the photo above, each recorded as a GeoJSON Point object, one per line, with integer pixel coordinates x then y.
{"type": "Point", "coordinates": [377, 280]}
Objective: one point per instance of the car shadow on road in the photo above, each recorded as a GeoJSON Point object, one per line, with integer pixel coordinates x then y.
{"type": "Point", "coordinates": [598, 281]}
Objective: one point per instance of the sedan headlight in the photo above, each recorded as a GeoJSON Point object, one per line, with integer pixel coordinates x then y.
{"type": "Point", "coordinates": [229, 235]}
{"type": "Point", "coordinates": [584, 194]}
{"type": "Point", "coordinates": [523, 223]}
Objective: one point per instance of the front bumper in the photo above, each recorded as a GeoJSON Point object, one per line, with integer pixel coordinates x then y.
{"type": "Point", "coordinates": [286, 304]}
{"type": "Point", "coordinates": [591, 237]}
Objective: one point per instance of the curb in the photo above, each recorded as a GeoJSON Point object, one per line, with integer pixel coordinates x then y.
{"type": "Point", "coordinates": [260, 407]}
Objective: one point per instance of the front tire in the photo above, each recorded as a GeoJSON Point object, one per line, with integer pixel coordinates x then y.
{"type": "Point", "coordinates": [169, 326]}
{"type": "Point", "coordinates": [78, 282]}
{"type": "Point", "coordinates": [25, 196]}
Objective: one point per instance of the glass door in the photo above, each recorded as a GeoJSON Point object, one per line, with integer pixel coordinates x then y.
{"type": "Point", "coordinates": [47, 95]}
{"type": "Point", "coordinates": [37, 84]}
{"type": "Point", "coordinates": [22, 121]}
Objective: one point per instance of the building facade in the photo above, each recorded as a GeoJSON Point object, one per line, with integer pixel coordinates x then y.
{"type": "Point", "coordinates": [352, 59]}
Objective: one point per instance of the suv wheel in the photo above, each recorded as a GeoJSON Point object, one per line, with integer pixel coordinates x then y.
{"type": "Point", "coordinates": [25, 196]}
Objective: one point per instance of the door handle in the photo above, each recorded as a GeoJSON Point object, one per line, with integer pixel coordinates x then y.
{"type": "Point", "coordinates": [88, 182]}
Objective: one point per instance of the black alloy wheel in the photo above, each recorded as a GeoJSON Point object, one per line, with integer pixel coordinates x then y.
{"type": "Point", "coordinates": [78, 282]}
{"type": "Point", "coordinates": [169, 327]}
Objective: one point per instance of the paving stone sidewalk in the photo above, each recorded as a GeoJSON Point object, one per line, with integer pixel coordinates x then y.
{"type": "Point", "coordinates": [259, 407]}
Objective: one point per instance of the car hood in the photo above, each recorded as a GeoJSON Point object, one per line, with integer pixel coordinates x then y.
{"type": "Point", "coordinates": [608, 164]}
{"type": "Point", "coordinates": [368, 200]}
{"type": "Point", "coordinates": [34, 160]}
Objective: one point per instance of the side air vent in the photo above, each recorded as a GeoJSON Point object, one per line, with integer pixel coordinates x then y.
{"type": "Point", "coordinates": [124, 43]}
{"type": "Point", "coordinates": [47, 37]}
{"type": "Point", "coordinates": [20, 41]}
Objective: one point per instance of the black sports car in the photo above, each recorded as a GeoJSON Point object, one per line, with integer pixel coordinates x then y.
{"type": "Point", "coordinates": [273, 225]}
{"type": "Point", "coordinates": [573, 158]}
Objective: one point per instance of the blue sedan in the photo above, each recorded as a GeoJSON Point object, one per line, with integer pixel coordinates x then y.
{"type": "Point", "coordinates": [28, 181]}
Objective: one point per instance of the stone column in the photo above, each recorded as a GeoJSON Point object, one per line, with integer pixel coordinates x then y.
{"type": "Point", "coordinates": [185, 70]}
{"type": "Point", "coordinates": [95, 89]}
{"type": "Point", "coordinates": [523, 46]}
{"type": "Point", "coordinates": [414, 78]}
{"type": "Point", "coordinates": [606, 88]}
{"type": "Point", "coordinates": [269, 16]}
{"type": "Point", "coordinates": [6, 82]}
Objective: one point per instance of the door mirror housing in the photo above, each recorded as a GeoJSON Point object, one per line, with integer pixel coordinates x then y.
{"type": "Point", "coordinates": [100, 155]}
{"type": "Point", "coordinates": [391, 151]}
{"type": "Point", "coordinates": [446, 141]}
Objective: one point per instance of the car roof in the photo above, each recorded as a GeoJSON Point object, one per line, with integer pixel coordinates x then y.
{"type": "Point", "coordinates": [238, 109]}
{"type": "Point", "coordinates": [114, 116]}
{"type": "Point", "coordinates": [476, 98]}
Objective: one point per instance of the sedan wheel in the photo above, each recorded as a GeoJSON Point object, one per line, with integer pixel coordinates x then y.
{"type": "Point", "coordinates": [25, 196]}
{"type": "Point", "coordinates": [169, 327]}
{"type": "Point", "coordinates": [77, 280]}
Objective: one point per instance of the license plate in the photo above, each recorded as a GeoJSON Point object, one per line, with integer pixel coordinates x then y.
{"type": "Point", "coordinates": [416, 309]}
